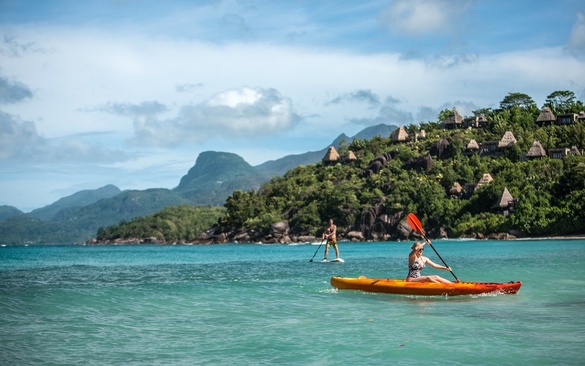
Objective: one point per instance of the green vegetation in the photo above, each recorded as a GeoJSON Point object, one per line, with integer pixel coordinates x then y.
{"type": "Point", "coordinates": [170, 225]}
{"type": "Point", "coordinates": [550, 192]}
{"type": "Point", "coordinates": [77, 223]}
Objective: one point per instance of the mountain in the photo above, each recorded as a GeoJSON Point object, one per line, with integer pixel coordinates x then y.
{"type": "Point", "coordinates": [76, 200]}
{"type": "Point", "coordinates": [381, 130]}
{"type": "Point", "coordinates": [213, 178]}
{"type": "Point", "coordinates": [216, 175]}
{"type": "Point", "coordinates": [280, 166]}
{"type": "Point", "coordinates": [78, 224]}
{"type": "Point", "coordinates": [123, 206]}
{"type": "Point", "coordinates": [9, 211]}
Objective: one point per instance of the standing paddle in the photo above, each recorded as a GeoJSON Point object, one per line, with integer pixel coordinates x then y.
{"type": "Point", "coordinates": [317, 250]}
{"type": "Point", "coordinates": [414, 222]}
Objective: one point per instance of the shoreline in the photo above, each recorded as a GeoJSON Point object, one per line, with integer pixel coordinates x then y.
{"type": "Point", "coordinates": [568, 237]}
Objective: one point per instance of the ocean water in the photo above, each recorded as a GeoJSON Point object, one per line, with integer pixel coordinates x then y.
{"type": "Point", "coordinates": [239, 304]}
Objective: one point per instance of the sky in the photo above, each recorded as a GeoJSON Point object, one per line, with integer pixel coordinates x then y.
{"type": "Point", "coordinates": [129, 92]}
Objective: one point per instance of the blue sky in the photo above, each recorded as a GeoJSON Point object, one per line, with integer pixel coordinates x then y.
{"type": "Point", "coordinates": [129, 92]}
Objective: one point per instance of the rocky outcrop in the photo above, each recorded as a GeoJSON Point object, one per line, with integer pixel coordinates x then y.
{"type": "Point", "coordinates": [424, 163]}
{"type": "Point", "coordinates": [377, 225]}
{"type": "Point", "coordinates": [377, 164]}
{"type": "Point", "coordinates": [440, 149]}
{"type": "Point", "coordinates": [279, 232]}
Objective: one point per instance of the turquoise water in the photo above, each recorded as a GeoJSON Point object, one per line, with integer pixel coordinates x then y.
{"type": "Point", "coordinates": [267, 304]}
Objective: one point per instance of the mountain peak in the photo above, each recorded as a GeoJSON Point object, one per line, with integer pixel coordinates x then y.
{"type": "Point", "coordinates": [216, 175]}
{"type": "Point", "coordinates": [215, 165]}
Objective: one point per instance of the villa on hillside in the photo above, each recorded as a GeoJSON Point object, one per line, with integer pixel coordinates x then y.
{"type": "Point", "coordinates": [506, 203]}
{"type": "Point", "coordinates": [485, 179]}
{"type": "Point", "coordinates": [457, 191]}
{"type": "Point", "coordinates": [508, 140]}
{"type": "Point", "coordinates": [561, 153]}
{"type": "Point", "coordinates": [453, 121]}
{"type": "Point", "coordinates": [475, 122]}
{"type": "Point", "coordinates": [496, 147]}
{"type": "Point", "coordinates": [332, 157]}
{"type": "Point", "coordinates": [545, 118]}
{"type": "Point", "coordinates": [400, 135]}
{"type": "Point", "coordinates": [471, 148]}
{"type": "Point", "coordinates": [536, 151]}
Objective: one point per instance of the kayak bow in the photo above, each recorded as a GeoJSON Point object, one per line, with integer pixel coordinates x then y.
{"type": "Point", "coordinates": [403, 287]}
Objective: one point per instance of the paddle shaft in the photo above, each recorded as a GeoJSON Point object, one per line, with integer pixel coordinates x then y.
{"type": "Point", "coordinates": [317, 250]}
{"type": "Point", "coordinates": [416, 225]}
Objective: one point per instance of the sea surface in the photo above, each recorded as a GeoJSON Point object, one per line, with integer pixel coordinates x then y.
{"type": "Point", "coordinates": [246, 304]}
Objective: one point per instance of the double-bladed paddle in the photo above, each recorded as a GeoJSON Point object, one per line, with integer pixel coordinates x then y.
{"type": "Point", "coordinates": [414, 222]}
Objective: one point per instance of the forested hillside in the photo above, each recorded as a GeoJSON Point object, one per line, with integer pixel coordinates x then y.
{"type": "Point", "coordinates": [171, 225]}
{"type": "Point", "coordinates": [419, 175]}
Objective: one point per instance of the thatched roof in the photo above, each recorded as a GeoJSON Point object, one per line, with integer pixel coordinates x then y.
{"type": "Point", "coordinates": [331, 155]}
{"type": "Point", "coordinates": [473, 145]}
{"type": "Point", "coordinates": [507, 140]}
{"type": "Point", "coordinates": [400, 135]}
{"type": "Point", "coordinates": [546, 115]}
{"type": "Point", "coordinates": [505, 199]}
{"type": "Point", "coordinates": [422, 134]}
{"type": "Point", "coordinates": [351, 155]}
{"type": "Point", "coordinates": [456, 188]}
{"type": "Point", "coordinates": [454, 118]}
{"type": "Point", "coordinates": [485, 179]}
{"type": "Point", "coordinates": [536, 150]}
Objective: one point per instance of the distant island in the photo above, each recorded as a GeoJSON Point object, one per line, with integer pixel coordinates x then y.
{"type": "Point", "coordinates": [514, 172]}
{"type": "Point", "coordinates": [213, 178]}
{"type": "Point", "coordinates": [517, 171]}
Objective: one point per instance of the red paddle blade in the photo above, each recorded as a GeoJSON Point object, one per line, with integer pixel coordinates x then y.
{"type": "Point", "coordinates": [414, 222]}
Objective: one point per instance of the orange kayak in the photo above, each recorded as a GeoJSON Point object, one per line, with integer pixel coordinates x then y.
{"type": "Point", "coordinates": [403, 287]}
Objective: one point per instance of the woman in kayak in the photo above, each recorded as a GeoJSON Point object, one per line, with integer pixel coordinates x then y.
{"type": "Point", "coordinates": [416, 262]}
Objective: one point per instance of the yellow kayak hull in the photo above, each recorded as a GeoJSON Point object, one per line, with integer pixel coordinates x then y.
{"type": "Point", "coordinates": [403, 287]}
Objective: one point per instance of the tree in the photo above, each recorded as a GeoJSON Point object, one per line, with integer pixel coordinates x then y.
{"type": "Point", "coordinates": [517, 99]}
{"type": "Point", "coordinates": [444, 114]}
{"type": "Point", "coordinates": [560, 101]}
{"type": "Point", "coordinates": [482, 111]}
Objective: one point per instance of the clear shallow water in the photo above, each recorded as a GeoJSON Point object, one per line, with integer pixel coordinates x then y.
{"type": "Point", "coordinates": [267, 304]}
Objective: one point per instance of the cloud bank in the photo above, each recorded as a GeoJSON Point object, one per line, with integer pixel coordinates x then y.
{"type": "Point", "coordinates": [232, 114]}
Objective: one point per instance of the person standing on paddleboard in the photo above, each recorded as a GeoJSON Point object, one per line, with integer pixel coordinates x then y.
{"type": "Point", "coordinates": [416, 262]}
{"type": "Point", "coordinates": [331, 235]}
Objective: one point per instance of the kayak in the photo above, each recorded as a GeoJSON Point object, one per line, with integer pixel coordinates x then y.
{"type": "Point", "coordinates": [403, 287]}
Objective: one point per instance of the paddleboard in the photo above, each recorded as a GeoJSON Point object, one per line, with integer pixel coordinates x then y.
{"type": "Point", "coordinates": [335, 260]}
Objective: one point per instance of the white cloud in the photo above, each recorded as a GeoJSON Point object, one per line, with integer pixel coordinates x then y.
{"type": "Point", "coordinates": [149, 108]}
{"type": "Point", "coordinates": [234, 113]}
{"type": "Point", "coordinates": [363, 96]}
{"type": "Point", "coordinates": [423, 17]}
{"type": "Point", "coordinates": [20, 142]}
{"type": "Point", "coordinates": [388, 113]}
